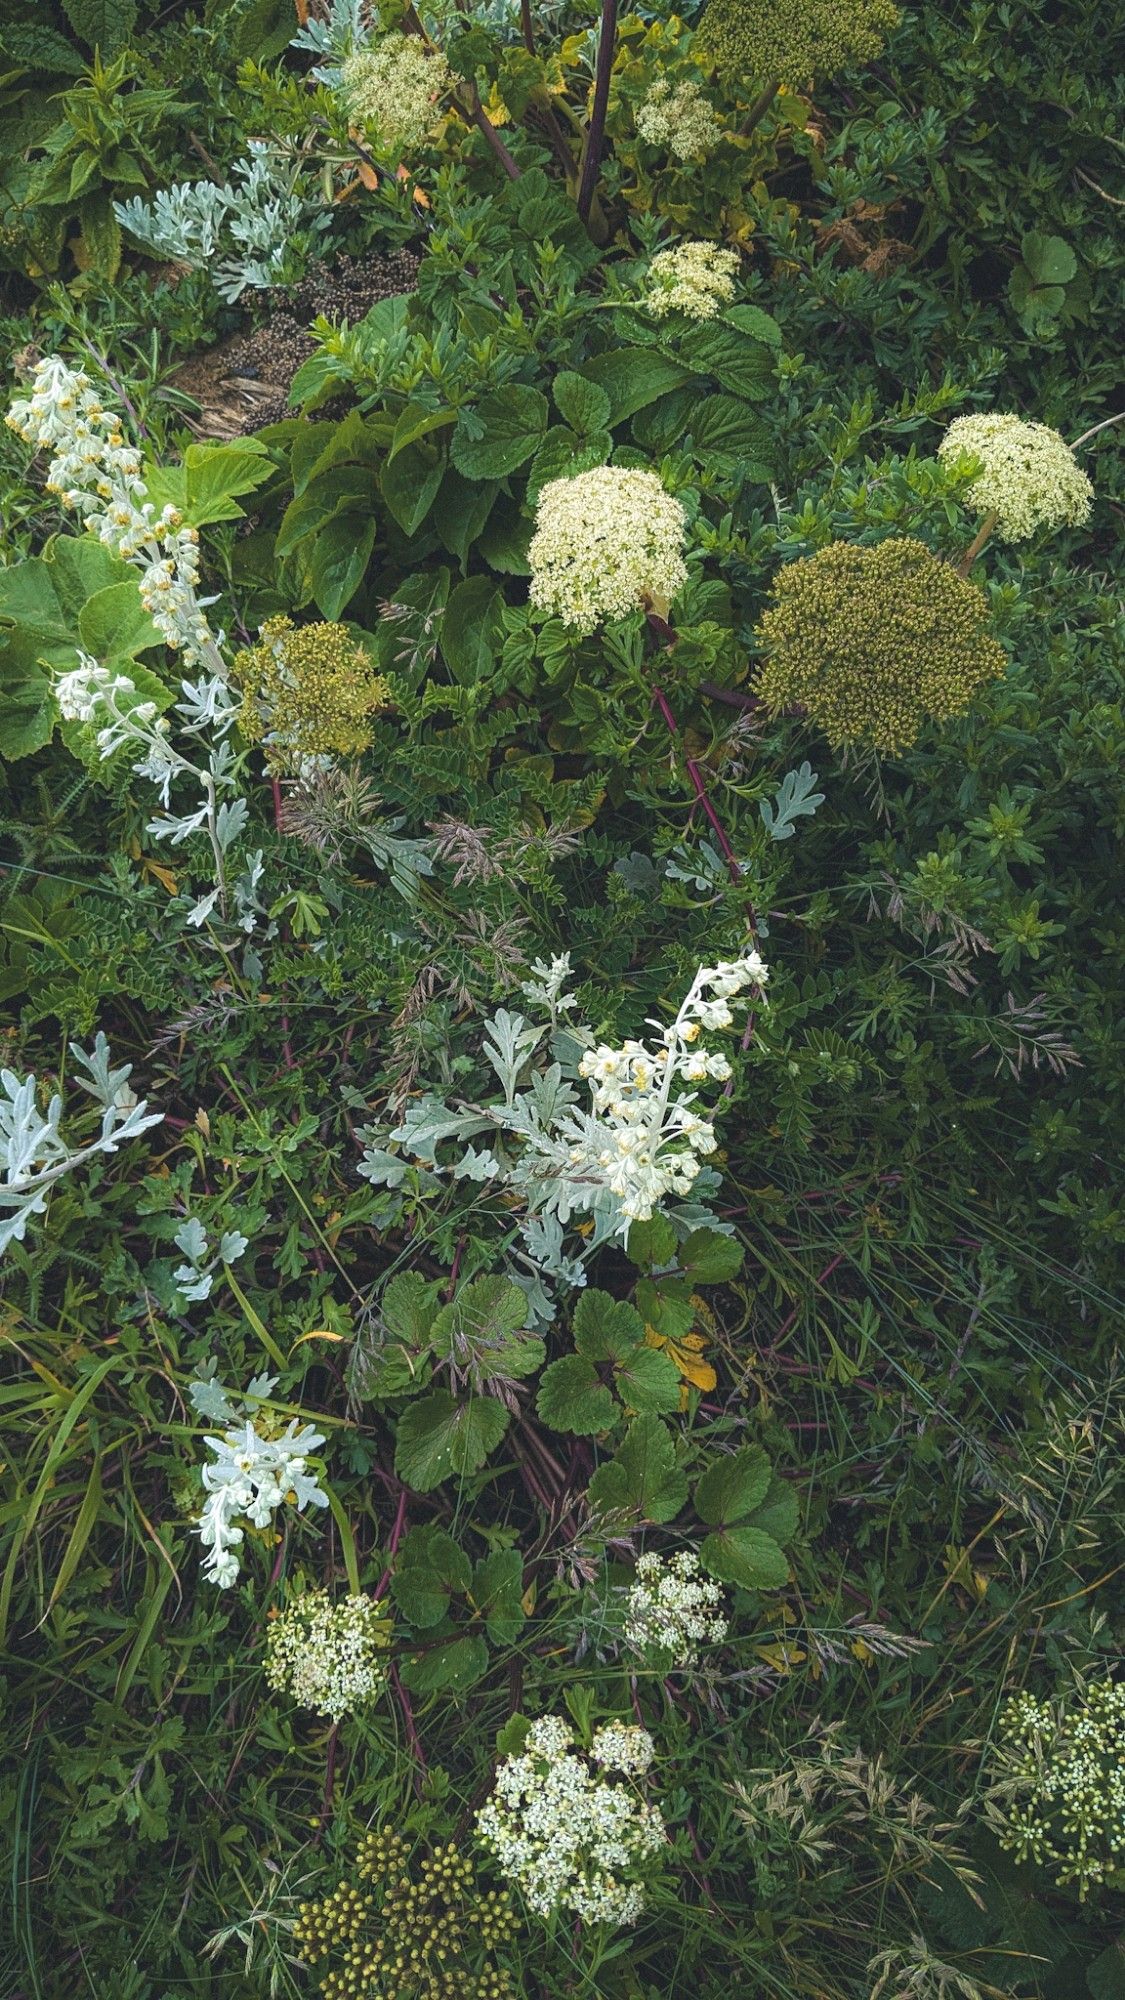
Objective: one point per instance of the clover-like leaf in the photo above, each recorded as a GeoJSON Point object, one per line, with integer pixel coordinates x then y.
{"type": "Point", "coordinates": [571, 1398]}
{"type": "Point", "coordinates": [643, 1480]}
{"type": "Point", "coordinates": [605, 1328]}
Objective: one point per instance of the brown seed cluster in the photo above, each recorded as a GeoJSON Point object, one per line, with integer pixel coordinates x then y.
{"type": "Point", "coordinates": [792, 41]}
{"type": "Point", "coordinates": [874, 642]}
{"type": "Point", "coordinates": [308, 690]}
{"type": "Point", "coordinates": [429, 1937]}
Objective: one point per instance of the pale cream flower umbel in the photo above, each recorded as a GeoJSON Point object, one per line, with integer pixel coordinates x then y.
{"type": "Point", "coordinates": [1030, 478]}
{"type": "Point", "coordinates": [394, 90]}
{"type": "Point", "coordinates": [327, 1655]}
{"type": "Point", "coordinates": [694, 278]}
{"type": "Point", "coordinates": [680, 118]}
{"type": "Point", "coordinates": [604, 543]}
{"type": "Point", "coordinates": [672, 1609]}
{"type": "Point", "coordinates": [568, 1835]}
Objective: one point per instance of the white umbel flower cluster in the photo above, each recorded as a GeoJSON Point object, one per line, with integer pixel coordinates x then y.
{"type": "Point", "coordinates": [569, 1835]}
{"type": "Point", "coordinates": [1030, 478]}
{"type": "Point", "coordinates": [644, 1138]}
{"type": "Point", "coordinates": [98, 475]}
{"type": "Point", "coordinates": [679, 118]}
{"type": "Point", "coordinates": [327, 1655]}
{"type": "Point", "coordinates": [252, 1476]}
{"type": "Point", "coordinates": [696, 279]}
{"type": "Point", "coordinates": [394, 90]}
{"type": "Point", "coordinates": [605, 543]}
{"type": "Point", "coordinates": [1060, 1799]}
{"type": "Point", "coordinates": [672, 1609]}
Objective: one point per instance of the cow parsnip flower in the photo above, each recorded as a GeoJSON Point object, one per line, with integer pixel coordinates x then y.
{"type": "Point", "coordinates": [566, 1831]}
{"type": "Point", "coordinates": [1059, 1798]}
{"type": "Point", "coordinates": [679, 118]}
{"type": "Point", "coordinates": [309, 691]}
{"type": "Point", "coordinates": [1029, 476]}
{"type": "Point", "coordinates": [605, 543]}
{"type": "Point", "coordinates": [874, 642]}
{"type": "Point", "coordinates": [792, 41]}
{"type": "Point", "coordinates": [693, 278]}
{"type": "Point", "coordinates": [672, 1609]}
{"type": "Point", "coordinates": [327, 1656]}
{"type": "Point", "coordinates": [394, 90]}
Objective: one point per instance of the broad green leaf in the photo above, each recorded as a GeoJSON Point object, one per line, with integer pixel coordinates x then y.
{"type": "Point", "coordinates": [633, 377]}
{"type": "Point", "coordinates": [460, 511]}
{"type": "Point", "coordinates": [1050, 259]}
{"type": "Point", "coordinates": [667, 1306]}
{"type": "Point", "coordinates": [497, 1593]}
{"type": "Point", "coordinates": [417, 422]}
{"type": "Point", "coordinates": [651, 1242]}
{"type": "Point", "coordinates": [584, 405]}
{"type": "Point", "coordinates": [471, 631]}
{"type": "Point", "coordinates": [642, 1481]}
{"type": "Point", "coordinates": [114, 625]}
{"type": "Point", "coordinates": [341, 488]}
{"type": "Point", "coordinates": [740, 363]}
{"type": "Point", "coordinates": [450, 1668]}
{"type": "Point", "coordinates": [605, 1328]}
{"type": "Point", "coordinates": [726, 427]}
{"type": "Point", "coordinates": [486, 1323]}
{"type": "Point", "coordinates": [649, 1380]}
{"type": "Point", "coordinates": [28, 712]}
{"type": "Point", "coordinates": [779, 1512]}
{"type": "Point", "coordinates": [429, 1568]}
{"type": "Point", "coordinates": [746, 1556]}
{"type": "Point", "coordinates": [439, 1438]}
{"type": "Point", "coordinates": [710, 1258]}
{"type": "Point", "coordinates": [206, 486]}
{"type": "Point", "coordinates": [732, 1487]}
{"type": "Point", "coordinates": [501, 433]}
{"type": "Point", "coordinates": [572, 1399]}
{"type": "Point", "coordinates": [753, 321]}
{"type": "Point", "coordinates": [410, 484]}
{"type": "Point", "coordinates": [104, 25]}
{"type": "Point", "coordinates": [408, 1307]}
{"type": "Point", "coordinates": [337, 561]}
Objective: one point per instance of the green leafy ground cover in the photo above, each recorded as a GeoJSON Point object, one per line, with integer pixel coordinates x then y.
{"type": "Point", "coordinates": [318, 967]}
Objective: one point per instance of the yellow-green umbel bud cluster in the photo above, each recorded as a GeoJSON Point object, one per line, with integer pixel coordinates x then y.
{"type": "Point", "coordinates": [309, 691]}
{"type": "Point", "coordinates": [872, 643]}
{"type": "Point", "coordinates": [1029, 477]}
{"type": "Point", "coordinates": [428, 1933]}
{"type": "Point", "coordinates": [1059, 1795]}
{"type": "Point", "coordinates": [394, 90]}
{"type": "Point", "coordinates": [792, 41]}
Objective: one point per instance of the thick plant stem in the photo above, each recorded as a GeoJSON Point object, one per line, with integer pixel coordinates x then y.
{"type": "Point", "coordinates": [977, 544]}
{"type": "Point", "coordinates": [758, 109]}
{"type": "Point", "coordinates": [595, 136]}
{"type": "Point", "coordinates": [526, 27]}
{"type": "Point", "coordinates": [478, 116]}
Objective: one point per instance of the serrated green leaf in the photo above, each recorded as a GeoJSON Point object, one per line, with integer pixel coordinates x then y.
{"type": "Point", "coordinates": [410, 484]}
{"type": "Point", "coordinates": [471, 630]}
{"type": "Point", "coordinates": [429, 1568]}
{"type": "Point", "coordinates": [642, 1481]}
{"type": "Point", "coordinates": [338, 560]}
{"type": "Point", "coordinates": [496, 1592]}
{"type": "Point", "coordinates": [486, 1323]}
{"type": "Point", "coordinates": [648, 1380]}
{"type": "Point", "coordinates": [571, 1398]}
{"type": "Point", "coordinates": [409, 1306]}
{"type": "Point", "coordinates": [710, 1258]}
{"type": "Point", "coordinates": [731, 1488]}
{"type": "Point", "coordinates": [441, 1438]}
{"type": "Point", "coordinates": [450, 1669]}
{"type": "Point", "coordinates": [651, 1242]}
{"type": "Point", "coordinates": [746, 1556]}
{"type": "Point", "coordinates": [501, 433]}
{"type": "Point", "coordinates": [114, 625]}
{"type": "Point", "coordinates": [1050, 259]}
{"type": "Point", "coordinates": [583, 404]}
{"type": "Point", "coordinates": [779, 1512]}
{"type": "Point", "coordinates": [633, 377]}
{"type": "Point", "coordinates": [605, 1328]}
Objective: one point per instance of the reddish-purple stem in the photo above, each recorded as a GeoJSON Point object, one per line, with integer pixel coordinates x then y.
{"type": "Point", "coordinates": [392, 1545]}
{"type": "Point", "coordinates": [702, 794]}
{"type": "Point", "coordinates": [412, 1737]}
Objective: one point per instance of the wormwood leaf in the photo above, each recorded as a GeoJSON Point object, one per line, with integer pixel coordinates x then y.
{"type": "Point", "coordinates": [794, 797]}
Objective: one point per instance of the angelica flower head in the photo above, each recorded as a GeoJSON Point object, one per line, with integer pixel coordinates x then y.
{"type": "Point", "coordinates": [251, 1477]}
{"type": "Point", "coordinates": [309, 691]}
{"type": "Point", "coordinates": [327, 1656]}
{"type": "Point", "coordinates": [394, 89]}
{"type": "Point", "coordinates": [672, 1609]}
{"type": "Point", "coordinates": [565, 1831]}
{"type": "Point", "coordinates": [680, 118]}
{"type": "Point", "coordinates": [605, 543]}
{"type": "Point", "coordinates": [1029, 476]}
{"type": "Point", "coordinates": [792, 41]}
{"type": "Point", "coordinates": [874, 642]}
{"type": "Point", "coordinates": [693, 278]}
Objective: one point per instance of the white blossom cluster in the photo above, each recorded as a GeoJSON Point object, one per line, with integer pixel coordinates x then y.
{"type": "Point", "coordinates": [1060, 1799]}
{"type": "Point", "coordinates": [394, 90]}
{"type": "Point", "coordinates": [33, 1151]}
{"type": "Point", "coordinates": [327, 1655]}
{"type": "Point", "coordinates": [680, 118]}
{"type": "Point", "coordinates": [696, 279]}
{"type": "Point", "coordinates": [97, 474]}
{"type": "Point", "coordinates": [605, 542]}
{"type": "Point", "coordinates": [569, 1835]}
{"type": "Point", "coordinates": [644, 1137]}
{"type": "Point", "coordinates": [1029, 476]}
{"type": "Point", "coordinates": [672, 1609]}
{"type": "Point", "coordinates": [251, 1477]}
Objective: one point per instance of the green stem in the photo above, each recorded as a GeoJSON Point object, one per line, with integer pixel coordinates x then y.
{"type": "Point", "coordinates": [758, 109]}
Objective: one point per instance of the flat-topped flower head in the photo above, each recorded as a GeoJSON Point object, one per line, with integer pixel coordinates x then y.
{"type": "Point", "coordinates": [327, 1656]}
{"type": "Point", "coordinates": [693, 278]}
{"type": "Point", "coordinates": [309, 691]}
{"type": "Point", "coordinates": [873, 643]}
{"type": "Point", "coordinates": [1029, 477]}
{"type": "Point", "coordinates": [792, 41]}
{"type": "Point", "coordinates": [1059, 1796]}
{"type": "Point", "coordinates": [679, 118]}
{"type": "Point", "coordinates": [394, 90]}
{"type": "Point", "coordinates": [605, 543]}
{"type": "Point", "coordinates": [672, 1609]}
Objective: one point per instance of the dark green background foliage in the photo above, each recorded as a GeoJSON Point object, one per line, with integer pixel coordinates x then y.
{"type": "Point", "coordinates": [914, 1325]}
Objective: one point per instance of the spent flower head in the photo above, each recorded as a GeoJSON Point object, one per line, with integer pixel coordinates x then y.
{"type": "Point", "coordinates": [679, 118]}
{"type": "Point", "coordinates": [394, 90]}
{"type": "Point", "coordinates": [873, 643]}
{"type": "Point", "coordinates": [672, 1609]}
{"type": "Point", "coordinates": [1029, 477]}
{"type": "Point", "coordinates": [693, 278]}
{"type": "Point", "coordinates": [566, 1831]}
{"type": "Point", "coordinates": [327, 1656]}
{"type": "Point", "coordinates": [792, 41]}
{"type": "Point", "coordinates": [605, 542]}
{"type": "Point", "coordinates": [309, 691]}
